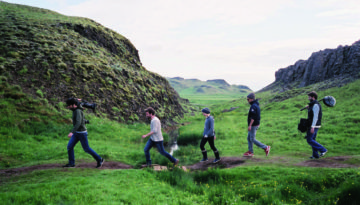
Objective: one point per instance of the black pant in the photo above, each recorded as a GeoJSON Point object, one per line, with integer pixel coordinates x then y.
{"type": "Point", "coordinates": [211, 143]}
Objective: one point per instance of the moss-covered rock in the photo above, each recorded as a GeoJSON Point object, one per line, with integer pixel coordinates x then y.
{"type": "Point", "coordinates": [72, 56]}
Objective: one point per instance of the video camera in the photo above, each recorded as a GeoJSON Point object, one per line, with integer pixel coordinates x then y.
{"type": "Point", "coordinates": [78, 103]}
{"type": "Point", "coordinates": [87, 105]}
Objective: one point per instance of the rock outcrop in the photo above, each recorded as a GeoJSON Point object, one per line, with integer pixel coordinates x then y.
{"type": "Point", "coordinates": [341, 64]}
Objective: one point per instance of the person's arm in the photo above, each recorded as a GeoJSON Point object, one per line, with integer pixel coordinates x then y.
{"type": "Point", "coordinates": [77, 120]}
{"type": "Point", "coordinates": [77, 123]}
{"type": "Point", "coordinates": [316, 110]}
{"type": "Point", "coordinates": [148, 134]}
{"type": "Point", "coordinates": [251, 122]}
{"type": "Point", "coordinates": [154, 127]}
{"type": "Point", "coordinates": [316, 115]}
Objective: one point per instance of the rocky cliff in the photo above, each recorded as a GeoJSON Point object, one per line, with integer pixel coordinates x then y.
{"type": "Point", "coordinates": [53, 57]}
{"type": "Point", "coordinates": [337, 66]}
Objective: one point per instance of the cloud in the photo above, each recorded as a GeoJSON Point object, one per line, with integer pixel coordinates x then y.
{"type": "Point", "coordinates": [233, 39]}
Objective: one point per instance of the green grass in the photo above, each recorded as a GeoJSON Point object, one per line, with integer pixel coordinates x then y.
{"type": "Point", "coordinates": [209, 99]}
{"type": "Point", "coordinates": [33, 132]}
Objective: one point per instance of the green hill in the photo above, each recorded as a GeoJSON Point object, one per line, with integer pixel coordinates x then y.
{"type": "Point", "coordinates": [209, 87]}
{"type": "Point", "coordinates": [207, 92]}
{"type": "Point", "coordinates": [51, 56]}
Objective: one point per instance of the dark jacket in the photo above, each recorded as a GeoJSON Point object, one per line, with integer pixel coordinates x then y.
{"type": "Point", "coordinates": [209, 127]}
{"type": "Point", "coordinates": [78, 120]}
{"type": "Point", "coordinates": [254, 113]}
{"type": "Point", "coordinates": [311, 113]}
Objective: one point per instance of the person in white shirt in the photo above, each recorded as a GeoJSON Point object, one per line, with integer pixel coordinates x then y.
{"type": "Point", "coordinates": [156, 138]}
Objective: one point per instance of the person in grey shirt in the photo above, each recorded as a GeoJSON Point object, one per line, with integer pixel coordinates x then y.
{"type": "Point", "coordinates": [208, 136]}
{"type": "Point", "coordinates": [156, 138]}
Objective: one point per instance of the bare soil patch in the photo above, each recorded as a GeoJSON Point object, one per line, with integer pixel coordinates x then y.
{"type": "Point", "coordinates": [226, 162]}
{"type": "Point", "coordinates": [332, 162]}
{"type": "Point", "coordinates": [21, 170]}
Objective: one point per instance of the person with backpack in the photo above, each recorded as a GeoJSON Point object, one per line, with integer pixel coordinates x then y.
{"type": "Point", "coordinates": [208, 136]}
{"type": "Point", "coordinates": [314, 122]}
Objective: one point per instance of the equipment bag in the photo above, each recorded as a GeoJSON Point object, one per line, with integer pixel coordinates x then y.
{"type": "Point", "coordinates": [303, 125]}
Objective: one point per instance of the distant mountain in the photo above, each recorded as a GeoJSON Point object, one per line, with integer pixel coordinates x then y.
{"type": "Point", "coordinates": [334, 67]}
{"type": "Point", "coordinates": [216, 86]}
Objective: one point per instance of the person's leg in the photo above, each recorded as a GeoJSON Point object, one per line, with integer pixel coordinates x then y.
{"type": "Point", "coordinates": [253, 139]}
{"type": "Point", "coordinates": [85, 145]}
{"type": "Point", "coordinates": [212, 145]}
{"type": "Point", "coordinates": [161, 149]}
{"type": "Point", "coordinates": [316, 147]}
{"type": "Point", "coordinates": [203, 150]}
{"type": "Point", "coordinates": [70, 148]}
{"type": "Point", "coordinates": [147, 148]}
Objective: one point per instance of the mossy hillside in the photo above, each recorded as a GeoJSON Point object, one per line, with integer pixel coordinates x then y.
{"type": "Point", "coordinates": [54, 57]}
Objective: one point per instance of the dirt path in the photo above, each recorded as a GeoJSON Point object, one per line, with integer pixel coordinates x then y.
{"type": "Point", "coordinates": [226, 162]}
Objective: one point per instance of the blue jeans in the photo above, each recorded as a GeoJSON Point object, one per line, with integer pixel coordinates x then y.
{"type": "Point", "coordinates": [82, 137]}
{"type": "Point", "coordinates": [316, 147]}
{"type": "Point", "coordinates": [251, 139]}
{"type": "Point", "coordinates": [160, 147]}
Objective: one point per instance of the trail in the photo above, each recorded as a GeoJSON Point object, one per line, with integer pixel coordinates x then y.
{"type": "Point", "coordinates": [226, 162]}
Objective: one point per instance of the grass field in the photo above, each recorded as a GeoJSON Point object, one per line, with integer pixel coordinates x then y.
{"type": "Point", "coordinates": [206, 100]}
{"type": "Point", "coordinates": [32, 133]}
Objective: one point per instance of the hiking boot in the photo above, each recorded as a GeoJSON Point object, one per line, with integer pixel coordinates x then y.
{"type": "Point", "coordinates": [267, 150]}
{"type": "Point", "coordinates": [100, 163]}
{"type": "Point", "coordinates": [323, 153]}
{"type": "Point", "coordinates": [248, 154]}
{"type": "Point", "coordinates": [312, 157]}
{"type": "Point", "coordinates": [69, 165]}
{"type": "Point", "coordinates": [204, 160]}
{"type": "Point", "coordinates": [176, 162]}
{"type": "Point", "coordinates": [216, 161]}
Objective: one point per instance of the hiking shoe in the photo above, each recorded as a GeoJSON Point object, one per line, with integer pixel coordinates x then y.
{"type": "Point", "coordinates": [267, 150]}
{"type": "Point", "coordinates": [312, 157]}
{"type": "Point", "coordinates": [248, 154]}
{"type": "Point", "coordinates": [204, 160]}
{"type": "Point", "coordinates": [216, 161]}
{"type": "Point", "coordinates": [176, 162]}
{"type": "Point", "coordinates": [69, 165]}
{"type": "Point", "coordinates": [323, 153]}
{"type": "Point", "coordinates": [100, 163]}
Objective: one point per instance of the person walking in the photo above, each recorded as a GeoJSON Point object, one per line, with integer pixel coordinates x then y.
{"type": "Point", "coordinates": [253, 125]}
{"type": "Point", "coordinates": [208, 136]}
{"type": "Point", "coordinates": [156, 138]}
{"type": "Point", "coordinates": [79, 133]}
{"type": "Point", "coordinates": [314, 120]}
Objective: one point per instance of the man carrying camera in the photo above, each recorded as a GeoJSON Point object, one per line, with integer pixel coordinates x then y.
{"type": "Point", "coordinates": [79, 133]}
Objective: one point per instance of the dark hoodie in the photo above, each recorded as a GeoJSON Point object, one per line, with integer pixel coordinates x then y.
{"type": "Point", "coordinates": [78, 120]}
{"type": "Point", "coordinates": [254, 113]}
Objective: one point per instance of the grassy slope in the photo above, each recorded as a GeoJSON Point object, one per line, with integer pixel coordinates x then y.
{"type": "Point", "coordinates": [53, 56]}
{"type": "Point", "coordinates": [39, 136]}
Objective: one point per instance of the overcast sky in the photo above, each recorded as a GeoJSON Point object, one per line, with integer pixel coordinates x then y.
{"type": "Point", "coordinates": [241, 41]}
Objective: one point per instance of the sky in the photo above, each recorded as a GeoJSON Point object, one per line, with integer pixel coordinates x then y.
{"type": "Point", "coordinates": [241, 41]}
